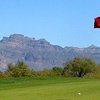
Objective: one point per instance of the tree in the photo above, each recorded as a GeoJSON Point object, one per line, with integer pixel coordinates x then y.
{"type": "Point", "coordinates": [79, 67]}
{"type": "Point", "coordinates": [19, 69]}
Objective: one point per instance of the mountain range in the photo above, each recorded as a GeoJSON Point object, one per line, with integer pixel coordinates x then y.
{"type": "Point", "coordinates": [40, 54]}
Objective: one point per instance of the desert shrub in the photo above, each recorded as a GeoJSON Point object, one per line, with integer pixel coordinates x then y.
{"type": "Point", "coordinates": [44, 72]}
{"type": "Point", "coordinates": [19, 70]}
{"type": "Point", "coordinates": [4, 75]}
{"type": "Point", "coordinates": [57, 71]}
{"type": "Point", "coordinates": [96, 73]}
{"type": "Point", "coordinates": [79, 67]}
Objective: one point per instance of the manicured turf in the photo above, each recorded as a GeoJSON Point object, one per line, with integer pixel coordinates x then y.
{"type": "Point", "coordinates": [49, 89]}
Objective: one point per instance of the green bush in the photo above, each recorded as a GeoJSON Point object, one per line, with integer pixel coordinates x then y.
{"type": "Point", "coordinates": [57, 71]}
{"type": "Point", "coordinates": [79, 67]}
{"type": "Point", "coordinates": [19, 70]}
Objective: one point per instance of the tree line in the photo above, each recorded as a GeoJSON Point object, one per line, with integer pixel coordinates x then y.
{"type": "Point", "coordinates": [77, 67]}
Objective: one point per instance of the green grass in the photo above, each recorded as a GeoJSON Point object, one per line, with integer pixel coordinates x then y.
{"type": "Point", "coordinates": [49, 88]}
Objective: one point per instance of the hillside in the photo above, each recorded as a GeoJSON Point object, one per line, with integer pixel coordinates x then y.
{"type": "Point", "coordinates": [39, 54]}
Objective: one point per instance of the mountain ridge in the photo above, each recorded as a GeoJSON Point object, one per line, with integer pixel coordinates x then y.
{"type": "Point", "coordinates": [40, 54]}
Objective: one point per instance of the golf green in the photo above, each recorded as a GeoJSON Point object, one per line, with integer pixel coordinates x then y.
{"type": "Point", "coordinates": [50, 89]}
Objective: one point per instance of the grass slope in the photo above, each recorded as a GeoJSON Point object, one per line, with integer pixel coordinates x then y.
{"type": "Point", "coordinates": [49, 89]}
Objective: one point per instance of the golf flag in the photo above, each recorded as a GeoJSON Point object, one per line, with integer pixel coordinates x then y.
{"type": "Point", "coordinates": [97, 22]}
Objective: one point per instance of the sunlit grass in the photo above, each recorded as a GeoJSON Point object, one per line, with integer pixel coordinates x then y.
{"type": "Point", "coordinates": [49, 89]}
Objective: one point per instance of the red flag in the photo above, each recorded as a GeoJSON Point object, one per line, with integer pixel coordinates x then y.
{"type": "Point", "coordinates": [97, 22]}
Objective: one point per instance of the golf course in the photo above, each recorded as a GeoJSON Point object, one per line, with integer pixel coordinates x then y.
{"type": "Point", "coordinates": [49, 88]}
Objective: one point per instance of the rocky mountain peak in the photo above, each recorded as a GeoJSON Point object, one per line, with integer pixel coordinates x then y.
{"type": "Point", "coordinates": [92, 46]}
{"type": "Point", "coordinates": [16, 36]}
{"type": "Point", "coordinates": [39, 54]}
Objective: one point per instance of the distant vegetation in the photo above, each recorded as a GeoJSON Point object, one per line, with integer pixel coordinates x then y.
{"type": "Point", "coordinates": [80, 67]}
{"type": "Point", "coordinates": [77, 67]}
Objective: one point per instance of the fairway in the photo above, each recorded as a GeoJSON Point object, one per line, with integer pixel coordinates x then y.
{"type": "Point", "coordinates": [49, 89]}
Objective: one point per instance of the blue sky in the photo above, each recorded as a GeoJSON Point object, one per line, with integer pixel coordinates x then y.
{"type": "Point", "coordinates": [61, 22]}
